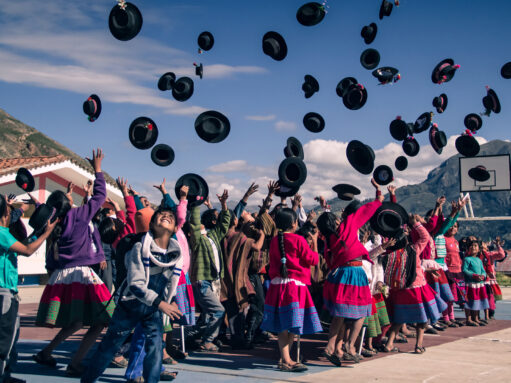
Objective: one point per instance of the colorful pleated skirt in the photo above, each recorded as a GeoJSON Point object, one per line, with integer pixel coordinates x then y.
{"type": "Point", "coordinates": [289, 306]}
{"type": "Point", "coordinates": [185, 302]}
{"type": "Point", "coordinates": [381, 309]}
{"type": "Point", "coordinates": [477, 296]}
{"type": "Point", "coordinates": [441, 285]}
{"type": "Point", "coordinates": [495, 288]}
{"type": "Point", "coordinates": [457, 285]}
{"type": "Point", "coordinates": [75, 294]}
{"type": "Point", "coordinates": [415, 305]}
{"type": "Point", "coordinates": [346, 293]}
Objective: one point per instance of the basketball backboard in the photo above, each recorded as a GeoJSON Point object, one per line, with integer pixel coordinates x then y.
{"type": "Point", "coordinates": [498, 168]}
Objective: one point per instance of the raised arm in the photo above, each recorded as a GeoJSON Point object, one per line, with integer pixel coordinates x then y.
{"type": "Point", "coordinates": [29, 249]}
{"type": "Point", "coordinates": [168, 202]}
{"type": "Point", "coordinates": [99, 188]}
{"type": "Point", "coordinates": [242, 204]}
{"type": "Point", "coordinates": [224, 218]}
{"type": "Point", "coordinates": [422, 234]}
{"type": "Point", "coordinates": [195, 225]}
{"type": "Point", "coordinates": [273, 186]}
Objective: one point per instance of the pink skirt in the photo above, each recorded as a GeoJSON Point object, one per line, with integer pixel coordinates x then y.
{"type": "Point", "coordinates": [477, 296]}
{"type": "Point", "coordinates": [415, 305]}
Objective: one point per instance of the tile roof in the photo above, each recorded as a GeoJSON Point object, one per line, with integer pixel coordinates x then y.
{"type": "Point", "coordinates": [505, 265]}
{"type": "Point", "coordinates": [11, 165]}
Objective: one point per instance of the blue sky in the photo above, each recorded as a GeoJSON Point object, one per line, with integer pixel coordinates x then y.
{"type": "Point", "coordinates": [54, 54]}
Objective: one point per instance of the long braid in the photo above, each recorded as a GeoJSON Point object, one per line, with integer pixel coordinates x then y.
{"type": "Point", "coordinates": [283, 259]}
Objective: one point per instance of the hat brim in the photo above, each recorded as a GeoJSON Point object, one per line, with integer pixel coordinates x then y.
{"type": "Point", "coordinates": [479, 174]}
{"type": "Point", "coordinates": [369, 39]}
{"type": "Point", "coordinates": [383, 169]}
{"type": "Point", "coordinates": [148, 142]}
{"type": "Point", "coordinates": [224, 123]}
{"type": "Point", "coordinates": [382, 12]}
{"type": "Point", "coordinates": [210, 44]}
{"type": "Point", "coordinates": [473, 116]}
{"type": "Point", "coordinates": [398, 129]}
{"type": "Point", "coordinates": [374, 63]}
{"type": "Point", "coordinates": [419, 126]}
{"type": "Point", "coordinates": [401, 163]}
{"type": "Point", "coordinates": [294, 148]}
{"type": "Point", "coordinates": [97, 100]}
{"type": "Point", "coordinates": [282, 53]}
{"type": "Point", "coordinates": [183, 96]}
{"type": "Point", "coordinates": [505, 71]}
{"type": "Point", "coordinates": [313, 127]}
{"type": "Point", "coordinates": [467, 146]}
{"type": "Point", "coordinates": [284, 191]}
{"type": "Point", "coordinates": [125, 33]}
{"type": "Point", "coordinates": [357, 150]}
{"type": "Point", "coordinates": [166, 80]}
{"type": "Point", "coordinates": [305, 20]}
{"type": "Point", "coordinates": [357, 106]}
{"type": "Point", "coordinates": [378, 223]}
{"type": "Point", "coordinates": [162, 155]}
{"type": "Point", "coordinates": [344, 84]}
{"type": "Point", "coordinates": [415, 148]}
{"type": "Point", "coordinates": [496, 102]}
{"type": "Point", "coordinates": [433, 131]}
{"type": "Point", "coordinates": [29, 180]}
{"type": "Point", "coordinates": [346, 192]}
{"type": "Point", "coordinates": [435, 75]}
{"type": "Point", "coordinates": [198, 188]}
{"type": "Point", "coordinates": [292, 172]}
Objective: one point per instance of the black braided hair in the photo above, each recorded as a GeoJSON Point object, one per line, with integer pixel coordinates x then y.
{"type": "Point", "coordinates": [59, 201]}
{"type": "Point", "coordinates": [284, 220]}
{"type": "Point", "coordinates": [327, 225]}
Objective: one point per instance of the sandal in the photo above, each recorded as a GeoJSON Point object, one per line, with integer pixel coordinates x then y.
{"type": "Point", "coordinates": [472, 324]}
{"type": "Point", "coordinates": [419, 350]}
{"type": "Point", "coordinates": [168, 376]}
{"type": "Point", "coordinates": [351, 357]}
{"type": "Point", "coordinates": [211, 348]}
{"type": "Point", "coordinates": [385, 349]}
{"type": "Point", "coordinates": [401, 339]}
{"type": "Point", "coordinates": [297, 367]}
{"type": "Point", "coordinates": [169, 360]}
{"type": "Point", "coordinates": [49, 361]}
{"type": "Point", "coordinates": [367, 353]}
{"type": "Point", "coordinates": [410, 335]}
{"type": "Point", "coordinates": [121, 363]}
{"type": "Point", "coordinates": [333, 358]}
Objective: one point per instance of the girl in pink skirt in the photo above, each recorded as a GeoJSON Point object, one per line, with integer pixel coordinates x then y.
{"type": "Point", "coordinates": [288, 307]}
{"type": "Point", "coordinates": [492, 287]}
{"type": "Point", "coordinates": [475, 275]}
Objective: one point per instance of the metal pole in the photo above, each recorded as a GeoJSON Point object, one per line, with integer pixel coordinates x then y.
{"type": "Point", "coordinates": [464, 207]}
{"type": "Point", "coordinates": [362, 340]}
{"type": "Point", "coordinates": [298, 350]}
{"type": "Point", "coordinates": [470, 206]}
{"type": "Point", "coordinates": [183, 339]}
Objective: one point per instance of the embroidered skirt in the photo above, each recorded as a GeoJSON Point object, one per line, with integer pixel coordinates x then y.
{"type": "Point", "coordinates": [72, 295]}
{"type": "Point", "coordinates": [457, 285]}
{"type": "Point", "coordinates": [289, 306]}
{"type": "Point", "coordinates": [346, 293]}
{"type": "Point", "coordinates": [185, 302]}
{"type": "Point", "coordinates": [495, 288]}
{"type": "Point", "coordinates": [416, 305]}
{"type": "Point", "coordinates": [372, 322]}
{"type": "Point", "coordinates": [441, 285]}
{"type": "Point", "coordinates": [381, 309]}
{"type": "Point", "coordinates": [477, 296]}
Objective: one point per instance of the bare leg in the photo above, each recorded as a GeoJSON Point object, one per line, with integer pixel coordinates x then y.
{"type": "Point", "coordinates": [61, 336]}
{"type": "Point", "coordinates": [87, 342]}
{"type": "Point", "coordinates": [283, 341]}
{"type": "Point", "coordinates": [166, 341]}
{"type": "Point", "coordinates": [394, 328]}
{"type": "Point", "coordinates": [420, 334]}
{"type": "Point", "coordinates": [354, 331]}
{"type": "Point", "coordinates": [335, 336]}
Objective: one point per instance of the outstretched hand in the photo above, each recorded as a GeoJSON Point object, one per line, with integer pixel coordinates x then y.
{"type": "Point", "coordinates": [122, 183]}
{"type": "Point", "coordinates": [391, 189]}
{"type": "Point", "coordinates": [183, 192]}
{"type": "Point", "coordinates": [97, 158]}
{"type": "Point", "coordinates": [161, 187]}
{"type": "Point", "coordinates": [251, 190]}
{"type": "Point", "coordinates": [375, 184]}
{"type": "Point", "coordinates": [273, 186]}
{"type": "Point", "coordinates": [223, 199]}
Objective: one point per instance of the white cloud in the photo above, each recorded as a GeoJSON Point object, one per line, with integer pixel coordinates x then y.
{"type": "Point", "coordinates": [268, 117]}
{"type": "Point", "coordinates": [285, 126]}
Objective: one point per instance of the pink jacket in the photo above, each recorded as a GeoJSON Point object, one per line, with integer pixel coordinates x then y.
{"type": "Point", "coordinates": [488, 259]}
{"type": "Point", "coordinates": [129, 221]}
{"type": "Point", "coordinates": [181, 237]}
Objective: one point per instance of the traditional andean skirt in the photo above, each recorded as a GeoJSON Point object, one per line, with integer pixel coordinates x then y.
{"type": "Point", "coordinates": [185, 302]}
{"type": "Point", "coordinates": [477, 296]}
{"type": "Point", "coordinates": [457, 285]}
{"type": "Point", "coordinates": [379, 317]}
{"type": "Point", "coordinates": [415, 305]}
{"type": "Point", "coordinates": [441, 285]}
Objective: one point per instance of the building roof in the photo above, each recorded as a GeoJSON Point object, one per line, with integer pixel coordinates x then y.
{"type": "Point", "coordinates": [505, 265]}
{"type": "Point", "coordinates": [11, 165]}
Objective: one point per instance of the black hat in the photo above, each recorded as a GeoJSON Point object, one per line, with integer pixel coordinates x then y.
{"type": "Point", "coordinates": [212, 126]}
{"type": "Point", "coordinates": [356, 97]}
{"type": "Point", "coordinates": [344, 84]}
{"type": "Point", "coordinates": [401, 163]}
{"type": "Point", "coordinates": [401, 240]}
{"type": "Point", "coordinates": [143, 133]}
{"type": "Point", "coordinates": [92, 107]}
{"type": "Point", "coordinates": [444, 71]}
{"type": "Point", "coordinates": [423, 122]}
{"type": "Point", "coordinates": [505, 71]}
{"type": "Point", "coordinates": [437, 139]}
{"type": "Point", "coordinates": [440, 103]}
{"type": "Point", "coordinates": [467, 145]}
{"type": "Point", "coordinates": [370, 58]}
{"type": "Point", "coordinates": [274, 46]}
{"type": "Point", "coordinates": [25, 180]}
{"type": "Point", "coordinates": [346, 192]}
{"type": "Point", "coordinates": [125, 23]}
{"type": "Point", "coordinates": [388, 219]}
{"type": "Point", "coordinates": [411, 146]}
{"type": "Point", "coordinates": [473, 121]}
{"type": "Point", "coordinates": [293, 148]}
{"type": "Point", "coordinates": [198, 188]}
{"type": "Point", "coordinates": [292, 172]}
{"type": "Point", "coordinates": [284, 191]}
{"type": "Point", "coordinates": [399, 129]}
{"type": "Point", "coordinates": [491, 102]}
{"type": "Point", "coordinates": [199, 69]}
{"type": "Point", "coordinates": [479, 173]}
{"type": "Point", "coordinates": [310, 14]}
{"type": "Point", "coordinates": [385, 8]}
{"type": "Point", "coordinates": [205, 41]}
{"type": "Point", "coordinates": [385, 74]}
{"type": "Point", "coordinates": [40, 217]}
{"type": "Point", "coordinates": [369, 33]}
{"type": "Point", "coordinates": [162, 155]}
{"type": "Point", "coordinates": [360, 156]}
{"type": "Point", "coordinates": [182, 89]}
{"type": "Point", "coordinates": [310, 86]}
{"type": "Point", "coordinates": [313, 122]}
{"type": "Point", "coordinates": [166, 81]}
{"type": "Point", "coordinates": [383, 175]}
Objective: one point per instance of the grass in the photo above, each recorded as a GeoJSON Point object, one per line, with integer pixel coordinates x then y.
{"type": "Point", "coordinates": [503, 280]}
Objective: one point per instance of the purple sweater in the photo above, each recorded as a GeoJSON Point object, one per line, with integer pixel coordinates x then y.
{"type": "Point", "coordinates": [78, 241]}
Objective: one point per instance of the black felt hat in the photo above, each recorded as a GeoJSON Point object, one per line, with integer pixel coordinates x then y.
{"type": "Point", "coordinates": [198, 188]}
{"type": "Point", "coordinates": [479, 173]}
{"type": "Point", "coordinates": [444, 71]}
{"type": "Point", "coordinates": [385, 74]}
{"type": "Point", "coordinates": [313, 122]}
{"type": "Point", "coordinates": [206, 41]}
{"type": "Point", "coordinates": [383, 175]}
{"type": "Point", "coordinates": [143, 133]}
{"type": "Point", "coordinates": [292, 172]}
{"type": "Point", "coordinates": [401, 163]}
{"type": "Point", "coordinates": [25, 180]}
{"type": "Point", "coordinates": [491, 102]}
{"type": "Point", "coordinates": [355, 97]}
{"type": "Point", "coordinates": [40, 217]}
{"type": "Point", "coordinates": [437, 139]}
{"type": "Point", "coordinates": [473, 122]}
{"type": "Point", "coordinates": [274, 46]}
{"type": "Point", "coordinates": [182, 89]}
{"type": "Point", "coordinates": [388, 219]}
{"type": "Point", "coordinates": [293, 148]}
{"type": "Point", "coordinates": [399, 129]}
{"type": "Point", "coordinates": [346, 192]}
{"type": "Point", "coordinates": [92, 107]}
{"type": "Point", "coordinates": [369, 32]}
{"type": "Point", "coordinates": [166, 81]}
{"type": "Point", "coordinates": [199, 70]}
{"type": "Point", "coordinates": [344, 84]}
{"type": "Point", "coordinates": [370, 58]}
{"type": "Point", "coordinates": [467, 145]}
{"type": "Point", "coordinates": [310, 86]}
{"type": "Point", "coordinates": [310, 14]}
{"type": "Point", "coordinates": [423, 122]}
{"type": "Point", "coordinates": [385, 9]}
{"type": "Point", "coordinates": [162, 155]}
{"type": "Point", "coordinates": [284, 191]}
{"type": "Point", "coordinates": [410, 146]}
{"type": "Point", "coordinates": [125, 23]}
{"type": "Point", "coordinates": [505, 71]}
{"type": "Point", "coordinates": [360, 156]}
{"type": "Point", "coordinates": [212, 126]}
{"type": "Point", "coordinates": [440, 103]}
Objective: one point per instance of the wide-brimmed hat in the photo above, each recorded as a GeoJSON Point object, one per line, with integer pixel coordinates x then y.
{"type": "Point", "coordinates": [370, 58]}
{"type": "Point", "coordinates": [284, 191]}
{"type": "Point", "coordinates": [440, 103]}
{"type": "Point", "coordinates": [491, 102]}
{"type": "Point", "coordinates": [310, 86]}
{"type": "Point", "coordinates": [92, 107]}
{"type": "Point", "coordinates": [473, 121]}
{"type": "Point", "coordinates": [166, 81]}
{"type": "Point", "coordinates": [369, 32]}
{"type": "Point", "coordinates": [162, 155]}
{"type": "Point", "coordinates": [346, 192]}
{"type": "Point", "coordinates": [143, 133]}
{"type": "Point", "coordinates": [25, 180]}
{"type": "Point", "coordinates": [411, 146]}
{"type": "Point", "coordinates": [292, 172]}
{"type": "Point", "coordinates": [423, 122]}
{"type": "Point", "coordinates": [479, 173]}
{"type": "Point", "coordinates": [199, 70]}
{"type": "Point", "coordinates": [388, 219]}
{"type": "Point", "coordinates": [39, 218]}
{"type": "Point", "coordinates": [274, 46]}
{"type": "Point", "coordinates": [182, 89]}
{"type": "Point", "coordinates": [444, 71]}
{"type": "Point", "coordinates": [385, 9]}
{"type": "Point", "coordinates": [293, 148]}
{"type": "Point", "coordinates": [125, 21]}
{"type": "Point", "coordinates": [198, 190]}
{"type": "Point", "coordinates": [212, 126]}
{"type": "Point", "coordinates": [399, 129]}
{"type": "Point", "coordinates": [360, 156]}
{"type": "Point", "coordinates": [310, 14]}
{"type": "Point", "coordinates": [383, 175]}
{"type": "Point", "coordinates": [385, 74]}
{"type": "Point", "coordinates": [344, 84]}
{"type": "Point", "coordinates": [505, 71]}
{"type": "Point", "coordinates": [313, 122]}
{"type": "Point", "coordinates": [206, 41]}
{"type": "Point", "coordinates": [401, 163]}
{"type": "Point", "coordinates": [355, 97]}
{"type": "Point", "coordinates": [437, 139]}
{"type": "Point", "coordinates": [467, 145]}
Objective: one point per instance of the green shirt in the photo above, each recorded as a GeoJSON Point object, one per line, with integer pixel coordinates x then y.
{"type": "Point", "coordinates": [8, 261]}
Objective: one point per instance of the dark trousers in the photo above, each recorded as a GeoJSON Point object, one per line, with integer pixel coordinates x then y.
{"type": "Point", "coordinates": [256, 310]}
{"type": "Point", "coordinates": [9, 330]}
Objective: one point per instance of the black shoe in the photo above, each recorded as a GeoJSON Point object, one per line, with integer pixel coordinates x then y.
{"type": "Point", "coordinates": [431, 330]}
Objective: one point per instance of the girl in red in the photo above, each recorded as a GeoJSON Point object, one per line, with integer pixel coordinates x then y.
{"type": "Point", "coordinates": [454, 274]}
{"type": "Point", "coordinates": [288, 307]}
{"type": "Point", "coordinates": [492, 287]}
